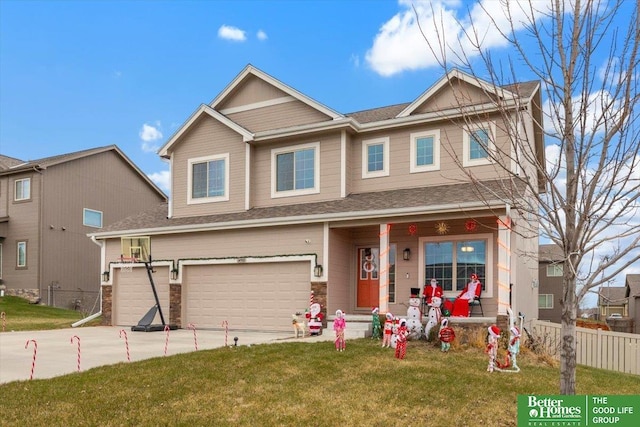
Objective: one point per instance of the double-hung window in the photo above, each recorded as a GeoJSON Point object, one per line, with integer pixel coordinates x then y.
{"type": "Point", "coordinates": [545, 301]}
{"type": "Point", "coordinates": [425, 151]}
{"type": "Point", "coordinates": [555, 270]}
{"type": "Point", "coordinates": [209, 179]}
{"type": "Point", "coordinates": [478, 144]}
{"type": "Point", "coordinates": [295, 170]}
{"type": "Point", "coordinates": [22, 189]}
{"type": "Point", "coordinates": [375, 157]}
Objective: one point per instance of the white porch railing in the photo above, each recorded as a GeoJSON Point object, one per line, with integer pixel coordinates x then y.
{"type": "Point", "coordinates": [615, 351]}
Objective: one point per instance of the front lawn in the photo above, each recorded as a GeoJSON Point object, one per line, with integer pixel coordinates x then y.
{"type": "Point", "coordinates": [20, 315]}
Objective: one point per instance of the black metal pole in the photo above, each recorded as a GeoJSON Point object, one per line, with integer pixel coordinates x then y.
{"type": "Point", "coordinates": [147, 264]}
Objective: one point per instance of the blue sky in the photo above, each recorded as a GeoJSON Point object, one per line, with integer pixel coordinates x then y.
{"type": "Point", "coordinates": [82, 74]}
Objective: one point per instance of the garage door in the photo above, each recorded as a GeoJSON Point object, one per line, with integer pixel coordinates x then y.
{"type": "Point", "coordinates": [248, 296]}
{"type": "Point", "coordinates": [133, 296]}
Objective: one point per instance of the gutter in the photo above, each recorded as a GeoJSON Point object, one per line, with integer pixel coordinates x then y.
{"type": "Point", "coordinates": [99, 313]}
{"type": "Point", "coordinates": [305, 219]}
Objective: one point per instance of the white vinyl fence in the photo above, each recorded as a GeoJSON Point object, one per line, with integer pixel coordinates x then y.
{"type": "Point", "coordinates": [615, 351]}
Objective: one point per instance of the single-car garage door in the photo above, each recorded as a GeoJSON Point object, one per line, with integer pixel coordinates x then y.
{"type": "Point", "coordinates": [133, 296]}
{"type": "Point", "coordinates": [259, 296]}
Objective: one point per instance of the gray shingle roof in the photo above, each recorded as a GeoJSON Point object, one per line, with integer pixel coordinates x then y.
{"type": "Point", "coordinates": [451, 196]}
{"type": "Point", "coordinates": [550, 253]}
{"type": "Point", "coordinates": [613, 294]}
{"type": "Point", "coordinates": [7, 162]}
{"type": "Point", "coordinates": [61, 158]}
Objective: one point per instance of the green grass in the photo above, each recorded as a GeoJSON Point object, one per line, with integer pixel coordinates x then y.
{"type": "Point", "coordinates": [297, 383]}
{"type": "Point", "coordinates": [288, 384]}
{"type": "Point", "coordinates": [20, 315]}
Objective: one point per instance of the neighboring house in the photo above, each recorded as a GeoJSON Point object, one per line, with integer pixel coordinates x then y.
{"type": "Point", "coordinates": [633, 296]}
{"type": "Point", "coordinates": [48, 206]}
{"type": "Point", "coordinates": [275, 195]}
{"type": "Point", "coordinates": [551, 269]}
{"type": "Point", "coordinates": [612, 300]}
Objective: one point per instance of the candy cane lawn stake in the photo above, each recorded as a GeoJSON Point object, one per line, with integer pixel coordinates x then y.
{"type": "Point", "coordinates": [166, 340]}
{"type": "Point", "coordinates": [225, 324]}
{"type": "Point", "coordinates": [195, 339]}
{"type": "Point", "coordinates": [77, 339]}
{"type": "Point", "coordinates": [126, 343]}
{"type": "Point", "coordinates": [4, 319]}
{"type": "Point", "coordinates": [35, 351]}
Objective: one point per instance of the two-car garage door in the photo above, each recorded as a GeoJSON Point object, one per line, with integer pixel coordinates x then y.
{"type": "Point", "coordinates": [260, 296]}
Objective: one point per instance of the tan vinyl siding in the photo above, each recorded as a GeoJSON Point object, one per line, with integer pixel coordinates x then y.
{"type": "Point", "coordinates": [208, 137]}
{"type": "Point", "coordinates": [261, 242]}
{"type": "Point", "coordinates": [329, 171]}
{"type": "Point", "coordinates": [451, 141]}
{"type": "Point", "coordinates": [340, 254]}
{"type": "Point", "coordinates": [452, 96]}
{"type": "Point", "coordinates": [103, 182]}
{"type": "Point", "coordinates": [251, 91]}
{"type": "Point", "coordinates": [278, 116]}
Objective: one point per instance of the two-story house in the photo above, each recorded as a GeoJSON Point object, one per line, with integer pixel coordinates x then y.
{"type": "Point", "coordinates": [275, 195]}
{"type": "Point", "coordinates": [47, 207]}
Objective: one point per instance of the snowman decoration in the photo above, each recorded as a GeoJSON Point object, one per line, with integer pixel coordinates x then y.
{"type": "Point", "coordinates": [314, 319]}
{"type": "Point", "coordinates": [414, 319]}
{"type": "Point", "coordinates": [434, 315]}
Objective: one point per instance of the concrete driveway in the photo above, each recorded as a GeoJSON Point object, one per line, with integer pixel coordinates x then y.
{"type": "Point", "coordinates": [105, 345]}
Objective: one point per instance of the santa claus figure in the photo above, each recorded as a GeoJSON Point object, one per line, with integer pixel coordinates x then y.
{"type": "Point", "coordinates": [446, 335]}
{"type": "Point", "coordinates": [339, 325]}
{"type": "Point", "coordinates": [387, 330]}
{"type": "Point", "coordinates": [376, 328]}
{"type": "Point", "coordinates": [492, 346]}
{"type": "Point", "coordinates": [432, 289]}
{"type": "Point", "coordinates": [314, 319]}
{"type": "Point", "coordinates": [469, 293]}
{"type": "Point", "coordinates": [401, 342]}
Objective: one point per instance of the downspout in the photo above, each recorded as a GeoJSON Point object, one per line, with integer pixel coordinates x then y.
{"type": "Point", "coordinates": [99, 313]}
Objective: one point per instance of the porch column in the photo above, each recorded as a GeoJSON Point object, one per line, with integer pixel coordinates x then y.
{"type": "Point", "coordinates": [383, 304]}
{"type": "Point", "coordinates": [504, 263]}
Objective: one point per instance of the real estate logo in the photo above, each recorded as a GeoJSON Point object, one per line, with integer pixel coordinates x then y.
{"type": "Point", "coordinates": [577, 411]}
{"type": "Point", "coordinates": [554, 410]}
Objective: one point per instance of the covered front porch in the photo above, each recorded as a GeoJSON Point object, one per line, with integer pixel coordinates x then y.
{"type": "Point", "coordinates": [382, 264]}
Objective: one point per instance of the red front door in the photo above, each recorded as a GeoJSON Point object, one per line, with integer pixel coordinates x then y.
{"type": "Point", "coordinates": [368, 277]}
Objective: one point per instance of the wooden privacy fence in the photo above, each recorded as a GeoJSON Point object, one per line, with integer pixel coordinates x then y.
{"type": "Point", "coordinates": [615, 351]}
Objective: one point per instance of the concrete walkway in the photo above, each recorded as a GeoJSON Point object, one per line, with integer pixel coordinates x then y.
{"type": "Point", "coordinates": [103, 345]}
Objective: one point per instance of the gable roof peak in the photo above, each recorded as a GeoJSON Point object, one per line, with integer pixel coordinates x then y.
{"type": "Point", "coordinates": [251, 70]}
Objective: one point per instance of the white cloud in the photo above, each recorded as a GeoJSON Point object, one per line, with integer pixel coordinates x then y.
{"type": "Point", "coordinates": [229, 32]}
{"type": "Point", "coordinates": [262, 35]}
{"type": "Point", "coordinates": [400, 44]}
{"type": "Point", "coordinates": [162, 179]}
{"type": "Point", "coordinates": [149, 134]}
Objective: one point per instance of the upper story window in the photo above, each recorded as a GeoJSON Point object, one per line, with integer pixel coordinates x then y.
{"type": "Point", "coordinates": [555, 270]}
{"type": "Point", "coordinates": [21, 258]}
{"type": "Point", "coordinates": [545, 301]}
{"type": "Point", "coordinates": [478, 144]}
{"type": "Point", "coordinates": [22, 189]}
{"type": "Point", "coordinates": [208, 179]}
{"type": "Point", "coordinates": [295, 170]}
{"type": "Point", "coordinates": [91, 218]}
{"type": "Point", "coordinates": [375, 157]}
{"type": "Point", "coordinates": [425, 151]}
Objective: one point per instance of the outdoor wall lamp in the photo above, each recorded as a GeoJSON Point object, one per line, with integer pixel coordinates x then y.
{"type": "Point", "coordinates": [174, 274]}
{"type": "Point", "coordinates": [406, 254]}
{"type": "Point", "coordinates": [317, 270]}
{"type": "Point", "coordinates": [105, 276]}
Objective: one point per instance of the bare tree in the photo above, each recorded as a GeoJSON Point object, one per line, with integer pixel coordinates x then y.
{"type": "Point", "coordinates": [587, 63]}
